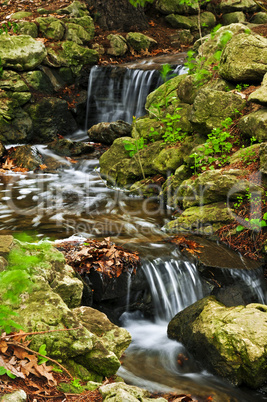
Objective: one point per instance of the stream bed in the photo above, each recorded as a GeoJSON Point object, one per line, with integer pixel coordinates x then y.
{"type": "Point", "coordinates": [77, 202]}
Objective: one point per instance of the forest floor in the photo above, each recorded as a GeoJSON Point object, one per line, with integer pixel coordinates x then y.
{"type": "Point", "coordinates": [37, 389]}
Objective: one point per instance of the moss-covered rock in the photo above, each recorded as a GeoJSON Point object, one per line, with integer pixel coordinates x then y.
{"type": "Point", "coordinates": [86, 22]}
{"type": "Point", "coordinates": [38, 81]}
{"type": "Point", "coordinates": [191, 21]}
{"type": "Point", "coordinates": [230, 341]}
{"type": "Point", "coordinates": [26, 156]}
{"type": "Point", "coordinates": [15, 125]}
{"type": "Point", "coordinates": [259, 18]}
{"type": "Point", "coordinates": [107, 133]}
{"type": "Point", "coordinates": [176, 7]}
{"type": "Point", "coordinates": [12, 81]}
{"type": "Point", "coordinates": [71, 54]}
{"type": "Point", "coordinates": [77, 33]}
{"type": "Point", "coordinates": [21, 52]}
{"type": "Point", "coordinates": [245, 155]}
{"type": "Point", "coordinates": [171, 186]}
{"type": "Point", "coordinates": [27, 28]}
{"type": "Point", "coordinates": [118, 45]}
{"type": "Point", "coordinates": [20, 15]}
{"type": "Point", "coordinates": [244, 58]}
{"type": "Point", "coordinates": [65, 147]}
{"type": "Point", "coordinates": [229, 6]}
{"type": "Point", "coordinates": [138, 41]}
{"type": "Point", "coordinates": [121, 392]}
{"type": "Point", "coordinates": [211, 107]}
{"type": "Point", "coordinates": [260, 95]}
{"type": "Point", "coordinates": [142, 128]}
{"type": "Point", "coordinates": [203, 220]}
{"type": "Point", "coordinates": [255, 125]}
{"type": "Point", "coordinates": [50, 116]}
{"type": "Point", "coordinates": [51, 27]}
{"type": "Point", "coordinates": [233, 18]}
{"type": "Point", "coordinates": [263, 158]}
{"type": "Point", "coordinates": [75, 9]}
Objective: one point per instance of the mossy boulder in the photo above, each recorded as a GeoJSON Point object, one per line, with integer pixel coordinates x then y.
{"type": "Point", "coordinates": [245, 155]}
{"type": "Point", "coordinates": [26, 156]}
{"type": "Point", "coordinates": [171, 186]}
{"type": "Point", "coordinates": [229, 6]}
{"type": "Point", "coordinates": [12, 81]}
{"type": "Point", "coordinates": [27, 28]}
{"type": "Point", "coordinates": [175, 6]}
{"type": "Point", "coordinates": [15, 125]}
{"type": "Point", "coordinates": [107, 133]}
{"type": "Point", "coordinates": [20, 15]}
{"type": "Point", "coordinates": [233, 18]}
{"type": "Point", "coordinates": [263, 158]}
{"type": "Point", "coordinates": [204, 220]}
{"type": "Point", "coordinates": [142, 128]}
{"type": "Point", "coordinates": [229, 341]}
{"type": "Point", "coordinates": [50, 116]}
{"type": "Point", "coordinates": [244, 58]}
{"type": "Point", "coordinates": [260, 95]}
{"type": "Point", "coordinates": [21, 52]}
{"type": "Point", "coordinates": [259, 18]}
{"type": "Point", "coordinates": [138, 41]}
{"type": "Point", "coordinates": [51, 27]}
{"type": "Point", "coordinates": [75, 9]}
{"type": "Point", "coordinates": [191, 21]}
{"type": "Point", "coordinates": [118, 45]}
{"type": "Point", "coordinates": [211, 107]}
{"type": "Point", "coordinates": [213, 186]}
{"type": "Point", "coordinates": [255, 125]}
{"type": "Point", "coordinates": [77, 34]}
{"type": "Point", "coordinates": [38, 81]}
{"type": "Point", "coordinates": [70, 54]}
{"type": "Point", "coordinates": [86, 22]}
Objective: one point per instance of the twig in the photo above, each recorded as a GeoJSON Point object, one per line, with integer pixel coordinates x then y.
{"type": "Point", "coordinates": [20, 345]}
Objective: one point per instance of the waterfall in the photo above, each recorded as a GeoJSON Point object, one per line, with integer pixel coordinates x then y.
{"type": "Point", "coordinates": [174, 285]}
{"type": "Point", "coordinates": [119, 93]}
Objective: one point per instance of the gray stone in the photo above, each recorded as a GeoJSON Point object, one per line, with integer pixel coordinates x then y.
{"type": "Point", "coordinates": [182, 38]}
{"type": "Point", "coordinates": [255, 125]}
{"type": "Point", "coordinates": [244, 58]}
{"type": "Point", "coordinates": [21, 52]}
{"type": "Point", "coordinates": [229, 6]}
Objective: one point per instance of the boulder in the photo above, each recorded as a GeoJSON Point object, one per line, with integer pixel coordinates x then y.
{"type": "Point", "coordinates": [107, 133]}
{"type": "Point", "coordinates": [191, 21]}
{"type": "Point", "coordinates": [203, 220]}
{"type": "Point", "coordinates": [20, 15]}
{"type": "Point", "coordinates": [2, 150]}
{"type": "Point", "coordinates": [214, 186]}
{"type": "Point", "coordinates": [254, 125]}
{"type": "Point", "coordinates": [229, 341]}
{"type": "Point", "coordinates": [75, 9]}
{"type": "Point", "coordinates": [173, 182]}
{"type": "Point", "coordinates": [245, 155]}
{"type": "Point", "coordinates": [70, 54]}
{"type": "Point", "coordinates": [263, 158]}
{"type": "Point", "coordinates": [26, 156]}
{"type": "Point", "coordinates": [12, 81]}
{"type": "Point", "coordinates": [244, 58]}
{"type": "Point", "coordinates": [211, 107]}
{"type": "Point", "coordinates": [50, 116]}
{"type": "Point", "coordinates": [86, 22]}
{"type": "Point", "coordinates": [229, 6]}
{"type": "Point", "coordinates": [27, 28]}
{"type": "Point", "coordinates": [138, 41]}
{"type": "Point", "coordinates": [51, 27]}
{"type": "Point", "coordinates": [259, 18]}
{"type": "Point", "coordinates": [21, 52]}
{"type": "Point", "coordinates": [260, 95]}
{"type": "Point", "coordinates": [182, 38]}
{"type": "Point", "coordinates": [233, 18]}
{"type": "Point", "coordinates": [38, 81]}
{"type": "Point", "coordinates": [66, 147]}
{"type": "Point", "coordinates": [121, 392]}
{"type": "Point", "coordinates": [118, 45]}
{"type": "Point", "coordinates": [176, 7]}
{"type": "Point", "coordinates": [76, 33]}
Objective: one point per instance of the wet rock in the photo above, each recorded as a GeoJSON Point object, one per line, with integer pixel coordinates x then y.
{"type": "Point", "coordinates": [118, 45]}
{"type": "Point", "coordinates": [255, 125]}
{"type": "Point", "coordinates": [50, 116]}
{"type": "Point", "coordinates": [233, 336]}
{"type": "Point", "coordinates": [211, 107]}
{"type": "Point", "coordinates": [139, 41]}
{"type": "Point", "coordinates": [107, 133]}
{"type": "Point", "coordinates": [70, 148]}
{"type": "Point", "coordinates": [26, 156]}
{"type": "Point", "coordinates": [244, 58]}
{"type": "Point", "coordinates": [27, 28]}
{"type": "Point", "coordinates": [21, 52]}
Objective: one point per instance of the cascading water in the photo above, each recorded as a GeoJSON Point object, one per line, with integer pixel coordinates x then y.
{"type": "Point", "coordinates": [116, 93]}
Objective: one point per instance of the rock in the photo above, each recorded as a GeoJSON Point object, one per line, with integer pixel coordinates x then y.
{"type": "Point", "coordinates": [230, 341]}
{"type": "Point", "coordinates": [211, 107]}
{"type": "Point", "coordinates": [141, 128]}
{"type": "Point", "coordinates": [259, 18]}
{"type": "Point", "coordinates": [244, 58]}
{"type": "Point", "coordinates": [121, 392]}
{"type": "Point", "coordinates": [21, 52]}
{"type": "Point", "coordinates": [12, 81]}
{"type": "Point", "coordinates": [263, 158]}
{"type": "Point", "coordinates": [26, 156]}
{"type": "Point", "coordinates": [6, 244]}
{"type": "Point", "coordinates": [75, 9]}
{"type": "Point", "coordinates": [50, 116]}
{"type": "Point", "coordinates": [233, 18]}
{"type": "Point", "coordinates": [20, 15]}
{"type": "Point", "coordinates": [38, 81]}
{"type": "Point", "coordinates": [245, 154]}
{"type": "Point", "coordinates": [229, 6]}
{"type": "Point", "coordinates": [254, 125]}
{"type": "Point", "coordinates": [2, 150]}
{"type": "Point", "coordinates": [107, 133]}
{"type": "Point", "coordinates": [17, 396]}
{"type": "Point", "coordinates": [27, 28]}
{"type": "Point", "coordinates": [191, 22]}
{"type": "Point", "coordinates": [260, 95]}
{"type": "Point", "coordinates": [77, 34]}
{"type": "Point", "coordinates": [51, 27]}
{"type": "Point", "coordinates": [86, 22]}
{"type": "Point", "coordinates": [204, 220]}
{"type": "Point", "coordinates": [71, 54]}
{"type": "Point", "coordinates": [66, 147]}
{"type": "Point", "coordinates": [173, 183]}
{"type": "Point", "coordinates": [176, 7]}
{"type": "Point", "coordinates": [182, 38]}
{"type": "Point", "coordinates": [15, 124]}
{"type": "Point", "coordinates": [187, 89]}
{"type": "Point", "coordinates": [118, 45]}
{"type": "Point", "coordinates": [139, 41]}
{"type": "Point", "coordinates": [213, 186]}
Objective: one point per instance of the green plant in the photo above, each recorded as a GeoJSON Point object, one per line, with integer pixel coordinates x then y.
{"type": "Point", "coordinates": [76, 383]}
{"type": "Point", "coordinates": [4, 371]}
{"type": "Point", "coordinates": [240, 87]}
{"type": "Point", "coordinates": [254, 224]}
{"type": "Point", "coordinates": [133, 149]}
{"type": "Point", "coordinates": [1, 68]}
{"type": "Point", "coordinates": [42, 351]}
{"type": "Point", "coordinates": [141, 3]}
{"type": "Point", "coordinates": [172, 134]}
{"type": "Point", "coordinates": [7, 27]}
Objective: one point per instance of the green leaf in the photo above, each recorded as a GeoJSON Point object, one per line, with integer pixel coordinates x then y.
{"type": "Point", "coordinates": [239, 228]}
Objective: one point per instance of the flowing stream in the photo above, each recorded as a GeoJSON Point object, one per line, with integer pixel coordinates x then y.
{"type": "Point", "coordinates": [75, 201]}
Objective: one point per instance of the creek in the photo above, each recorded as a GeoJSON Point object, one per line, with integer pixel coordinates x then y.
{"type": "Point", "coordinates": [76, 203]}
